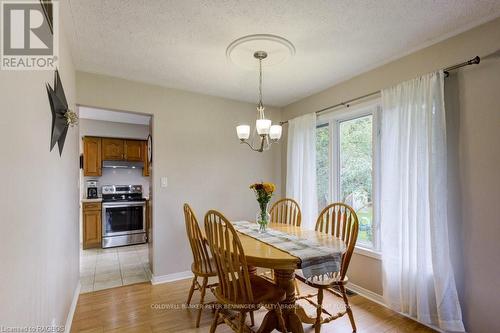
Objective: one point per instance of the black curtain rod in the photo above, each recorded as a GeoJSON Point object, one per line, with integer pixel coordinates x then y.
{"type": "Point", "coordinates": [446, 70]}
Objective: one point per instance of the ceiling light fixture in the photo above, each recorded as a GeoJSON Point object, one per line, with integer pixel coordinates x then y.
{"type": "Point", "coordinates": [243, 52]}
{"type": "Point", "coordinates": [265, 133]}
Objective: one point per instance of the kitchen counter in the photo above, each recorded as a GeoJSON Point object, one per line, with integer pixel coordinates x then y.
{"type": "Point", "coordinates": [92, 200]}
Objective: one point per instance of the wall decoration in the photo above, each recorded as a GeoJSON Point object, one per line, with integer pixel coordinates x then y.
{"type": "Point", "coordinates": [150, 148]}
{"type": "Point", "coordinates": [62, 116]}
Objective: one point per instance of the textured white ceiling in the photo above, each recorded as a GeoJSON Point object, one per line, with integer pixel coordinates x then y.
{"type": "Point", "coordinates": [181, 43]}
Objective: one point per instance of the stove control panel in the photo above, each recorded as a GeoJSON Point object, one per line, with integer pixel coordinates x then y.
{"type": "Point", "coordinates": [121, 189]}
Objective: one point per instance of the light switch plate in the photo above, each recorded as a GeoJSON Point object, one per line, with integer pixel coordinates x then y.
{"type": "Point", "coordinates": [164, 182]}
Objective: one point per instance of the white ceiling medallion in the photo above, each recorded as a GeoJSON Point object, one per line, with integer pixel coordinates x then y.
{"type": "Point", "coordinates": [278, 49]}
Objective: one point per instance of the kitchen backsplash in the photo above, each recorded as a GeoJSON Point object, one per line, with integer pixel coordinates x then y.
{"type": "Point", "coordinates": [122, 177]}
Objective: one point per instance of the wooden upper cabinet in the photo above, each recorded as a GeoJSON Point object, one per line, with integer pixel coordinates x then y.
{"type": "Point", "coordinates": [113, 149]}
{"type": "Point", "coordinates": [145, 169]}
{"type": "Point", "coordinates": [134, 150]}
{"type": "Point", "coordinates": [96, 150]}
{"type": "Point", "coordinates": [92, 156]}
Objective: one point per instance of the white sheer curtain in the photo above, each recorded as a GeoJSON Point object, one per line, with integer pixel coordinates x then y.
{"type": "Point", "coordinates": [301, 167]}
{"type": "Point", "coordinates": [418, 278]}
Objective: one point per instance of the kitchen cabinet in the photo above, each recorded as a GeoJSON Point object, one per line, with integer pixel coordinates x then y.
{"type": "Point", "coordinates": [113, 149]}
{"type": "Point", "coordinates": [92, 225]}
{"type": "Point", "coordinates": [145, 170]}
{"type": "Point", "coordinates": [134, 151]}
{"type": "Point", "coordinates": [96, 150]}
{"type": "Point", "coordinates": [92, 165]}
{"type": "Point", "coordinates": [122, 150]}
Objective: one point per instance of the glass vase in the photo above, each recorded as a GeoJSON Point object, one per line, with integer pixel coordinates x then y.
{"type": "Point", "coordinates": [263, 217]}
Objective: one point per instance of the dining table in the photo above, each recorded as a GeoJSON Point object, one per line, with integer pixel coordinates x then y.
{"type": "Point", "coordinates": [261, 254]}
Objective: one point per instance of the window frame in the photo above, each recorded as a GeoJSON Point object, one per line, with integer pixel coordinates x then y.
{"type": "Point", "coordinates": [333, 119]}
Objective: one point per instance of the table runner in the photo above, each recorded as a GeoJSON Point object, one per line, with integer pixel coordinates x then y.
{"type": "Point", "coordinates": [315, 260]}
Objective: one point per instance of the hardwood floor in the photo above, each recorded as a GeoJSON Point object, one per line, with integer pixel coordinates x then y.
{"type": "Point", "coordinates": [146, 308]}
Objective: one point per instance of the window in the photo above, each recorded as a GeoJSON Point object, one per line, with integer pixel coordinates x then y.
{"type": "Point", "coordinates": [346, 149]}
{"type": "Point", "coordinates": [322, 165]}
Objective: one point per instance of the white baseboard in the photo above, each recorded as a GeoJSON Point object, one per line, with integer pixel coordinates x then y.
{"type": "Point", "coordinates": [366, 293]}
{"type": "Point", "coordinates": [171, 277]}
{"type": "Point", "coordinates": [69, 319]}
{"type": "Point", "coordinates": [374, 297]}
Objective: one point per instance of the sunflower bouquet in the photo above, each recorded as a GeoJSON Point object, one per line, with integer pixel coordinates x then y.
{"type": "Point", "coordinates": [263, 192]}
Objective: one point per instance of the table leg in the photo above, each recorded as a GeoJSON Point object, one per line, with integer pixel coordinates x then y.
{"type": "Point", "coordinates": [285, 280]}
{"type": "Point", "coordinates": [252, 270]}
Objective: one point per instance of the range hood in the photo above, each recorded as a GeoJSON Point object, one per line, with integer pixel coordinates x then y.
{"type": "Point", "coordinates": [122, 165]}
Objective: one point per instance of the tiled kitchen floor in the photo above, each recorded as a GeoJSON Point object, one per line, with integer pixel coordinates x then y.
{"type": "Point", "coordinates": [114, 267]}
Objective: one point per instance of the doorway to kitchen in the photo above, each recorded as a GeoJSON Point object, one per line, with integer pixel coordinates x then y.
{"type": "Point", "coordinates": [115, 190]}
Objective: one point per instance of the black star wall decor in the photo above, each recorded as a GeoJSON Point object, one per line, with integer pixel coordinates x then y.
{"type": "Point", "coordinates": [62, 116]}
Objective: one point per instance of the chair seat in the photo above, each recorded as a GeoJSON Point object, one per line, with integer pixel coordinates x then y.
{"type": "Point", "coordinates": [324, 283]}
{"type": "Point", "coordinates": [264, 292]}
{"type": "Point", "coordinates": [204, 270]}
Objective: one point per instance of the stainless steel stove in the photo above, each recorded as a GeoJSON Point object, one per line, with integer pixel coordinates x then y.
{"type": "Point", "coordinates": [123, 215]}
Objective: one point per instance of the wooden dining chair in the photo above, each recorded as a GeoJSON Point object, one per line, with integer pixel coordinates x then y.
{"type": "Point", "coordinates": [203, 265]}
{"type": "Point", "coordinates": [238, 290]}
{"type": "Point", "coordinates": [341, 221]}
{"type": "Point", "coordinates": [286, 211]}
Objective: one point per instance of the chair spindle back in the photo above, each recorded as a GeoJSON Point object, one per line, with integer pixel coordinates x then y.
{"type": "Point", "coordinates": [199, 247]}
{"type": "Point", "coordinates": [232, 270]}
{"type": "Point", "coordinates": [286, 211]}
{"type": "Point", "coordinates": [341, 221]}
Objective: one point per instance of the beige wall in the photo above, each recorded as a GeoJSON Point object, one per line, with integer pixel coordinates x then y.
{"type": "Point", "coordinates": [39, 205]}
{"type": "Point", "coordinates": [477, 191]}
{"type": "Point", "coordinates": [195, 146]}
{"type": "Point", "coordinates": [473, 109]}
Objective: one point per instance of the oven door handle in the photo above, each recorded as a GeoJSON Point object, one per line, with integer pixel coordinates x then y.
{"type": "Point", "coordinates": [121, 204]}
